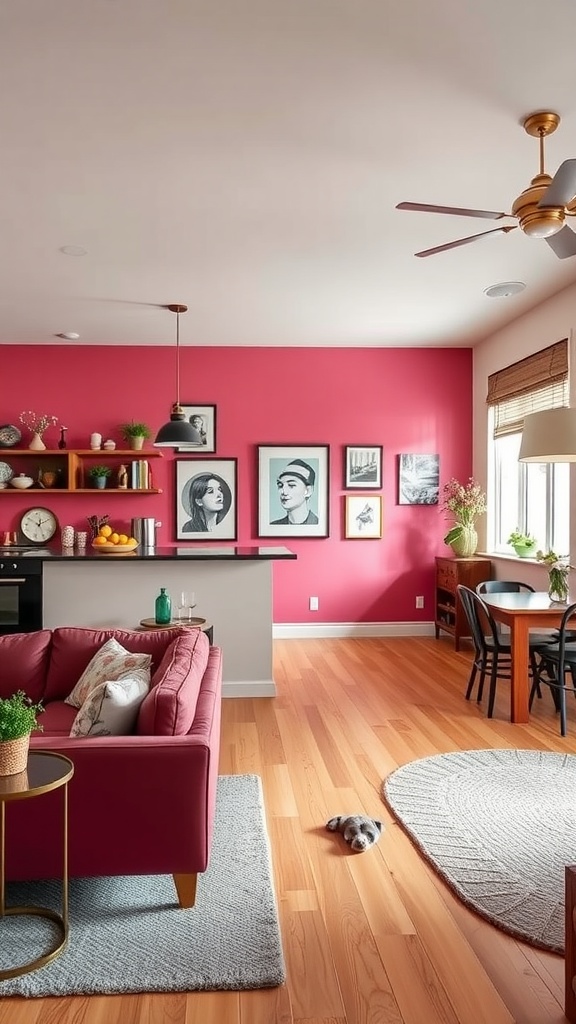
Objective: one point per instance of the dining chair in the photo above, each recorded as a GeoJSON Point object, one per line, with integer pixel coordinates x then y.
{"type": "Point", "coordinates": [516, 587]}
{"type": "Point", "coordinates": [492, 650]}
{"type": "Point", "coordinates": [557, 662]}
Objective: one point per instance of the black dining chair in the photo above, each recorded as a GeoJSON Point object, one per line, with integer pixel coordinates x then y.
{"type": "Point", "coordinates": [516, 587]}
{"type": "Point", "coordinates": [556, 663]}
{"type": "Point", "coordinates": [492, 650]}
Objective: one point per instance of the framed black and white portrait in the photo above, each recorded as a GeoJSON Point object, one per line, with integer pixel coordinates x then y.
{"type": "Point", "coordinates": [363, 466]}
{"type": "Point", "coordinates": [418, 479]}
{"type": "Point", "coordinates": [293, 490]}
{"type": "Point", "coordinates": [206, 500]}
{"type": "Point", "coordinates": [202, 419]}
{"type": "Point", "coordinates": [363, 520]}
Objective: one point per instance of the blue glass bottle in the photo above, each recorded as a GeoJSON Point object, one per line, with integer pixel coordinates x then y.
{"type": "Point", "coordinates": [163, 608]}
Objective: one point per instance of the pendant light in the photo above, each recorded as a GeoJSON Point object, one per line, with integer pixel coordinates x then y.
{"type": "Point", "coordinates": [549, 436]}
{"type": "Point", "coordinates": [177, 431]}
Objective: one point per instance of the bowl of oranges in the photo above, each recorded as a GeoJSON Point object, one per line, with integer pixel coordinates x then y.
{"type": "Point", "coordinates": [109, 541]}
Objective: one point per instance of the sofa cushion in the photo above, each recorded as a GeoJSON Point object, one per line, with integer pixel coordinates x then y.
{"type": "Point", "coordinates": [56, 719]}
{"type": "Point", "coordinates": [74, 646]}
{"type": "Point", "coordinates": [24, 660]}
{"type": "Point", "coordinates": [169, 707]}
{"type": "Point", "coordinates": [110, 663]}
{"type": "Point", "coordinates": [111, 709]}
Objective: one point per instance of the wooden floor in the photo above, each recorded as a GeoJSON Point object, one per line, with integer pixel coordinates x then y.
{"type": "Point", "coordinates": [371, 937]}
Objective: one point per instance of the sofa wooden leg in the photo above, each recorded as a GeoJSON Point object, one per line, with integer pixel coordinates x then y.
{"type": "Point", "coordinates": [570, 943]}
{"type": "Point", "coordinates": [186, 890]}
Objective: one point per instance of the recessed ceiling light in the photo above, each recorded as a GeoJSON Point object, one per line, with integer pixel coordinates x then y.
{"type": "Point", "coordinates": [69, 335]}
{"type": "Point", "coordinates": [73, 250]}
{"type": "Point", "coordinates": [504, 290]}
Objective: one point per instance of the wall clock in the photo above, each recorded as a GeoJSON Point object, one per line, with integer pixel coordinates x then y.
{"type": "Point", "coordinates": [38, 525]}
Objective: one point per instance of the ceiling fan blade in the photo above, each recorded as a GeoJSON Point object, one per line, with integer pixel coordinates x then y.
{"type": "Point", "coordinates": [457, 211]}
{"type": "Point", "coordinates": [465, 241]}
{"type": "Point", "coordinates": [562, 188]}
{"type": "Point", "coordinates": [563, 243]}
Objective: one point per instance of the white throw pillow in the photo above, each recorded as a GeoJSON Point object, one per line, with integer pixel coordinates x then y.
{"type": "Point", "coordinates": [109, 663]}
{"type": "Point", "coordinates": [111, 709]}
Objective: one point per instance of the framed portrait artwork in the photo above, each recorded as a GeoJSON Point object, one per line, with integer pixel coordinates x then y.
{"type": "Point", "coordinates": [418, 479]}
{"type": "Point", "coordinates": [363, 466]}
{"type": "Point", "coordinates": [202, 419]}
{"type": "Point", "coordinates": [363, 520]}
{"type": "Point", "coordinates": [206, 499]}
{"type": "Point", "coordinates": [293, 490]}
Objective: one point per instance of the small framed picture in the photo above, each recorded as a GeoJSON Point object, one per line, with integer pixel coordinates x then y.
{"type": "Point", "coordinates": [206, 502]}
{"type": "Point", "coordinates": [202, 419]}
{"type": "Point", "coordinates": [363, 466]}
{"type": "Point", "coordinates": [418, 479]}
{"type": "Point", "coordinates": [293, 490]}
{"type": "Point", "coordinates": [363, 516]}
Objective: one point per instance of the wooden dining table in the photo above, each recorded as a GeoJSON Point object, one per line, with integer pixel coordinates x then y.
{"type": "Point", "coordinates": [522, 612]}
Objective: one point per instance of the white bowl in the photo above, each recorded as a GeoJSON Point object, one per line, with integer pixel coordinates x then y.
{"type": "Point", "coordinates": [21, 482]}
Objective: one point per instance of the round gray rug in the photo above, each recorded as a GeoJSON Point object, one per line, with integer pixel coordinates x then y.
{"type": "Point", "coordinates": [499, 826]}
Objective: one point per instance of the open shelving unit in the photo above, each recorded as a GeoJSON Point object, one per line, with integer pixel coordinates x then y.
{"type": "Point", "coordinates": [72, 466]}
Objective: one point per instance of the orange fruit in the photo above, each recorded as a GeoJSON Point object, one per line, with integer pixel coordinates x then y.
{"type": "Point", "coordinates": [132, 540]}
{"type": "Point", "coordinates": [122, 539]}
{"type": "Point", "coordinates": [100, 540]}
{"type": "Point", "coordinates": [104, 531]}
{"type": "Point", "coordinates": [114, 538]}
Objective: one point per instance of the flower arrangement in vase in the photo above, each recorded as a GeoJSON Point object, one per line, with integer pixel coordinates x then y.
{"type": "Point", "coordinates": [37, 425]}
{"type": "Point", "coordinates": [464, 502]}
{"type": "Point", "coordinates": [558, 569]}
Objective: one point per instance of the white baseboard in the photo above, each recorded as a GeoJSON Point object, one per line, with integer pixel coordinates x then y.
{"type": "Point", "coordinates": [249, 688]}
{"type": "Point", "coordinates": [303, 630]}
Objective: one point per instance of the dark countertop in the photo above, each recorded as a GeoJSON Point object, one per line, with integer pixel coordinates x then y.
{"type": "Point", "coordinates": [90, 554]}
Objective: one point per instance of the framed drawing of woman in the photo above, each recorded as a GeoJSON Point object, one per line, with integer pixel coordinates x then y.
{"type": "Point", "coordinates": [206, 503]}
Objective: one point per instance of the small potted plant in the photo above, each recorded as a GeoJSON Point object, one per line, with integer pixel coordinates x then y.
{"type": "Point", "coordinates": [99, 475]}
{"type": "Point", "coordinates": [135, 433]}
{"type": "Point", "coordinates": [524, 544]}
{"type": "Point", "coordinates": [18, 717]}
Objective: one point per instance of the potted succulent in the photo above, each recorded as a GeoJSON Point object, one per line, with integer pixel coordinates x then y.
{"type": "Point", "coordinates": [135, 433]}
{"type": "Point", "coordinates": [524, 544]}
{"type": "Point", "coordinates": [99, 475]}
{"type": "Point", "coordinates": [18, 717]}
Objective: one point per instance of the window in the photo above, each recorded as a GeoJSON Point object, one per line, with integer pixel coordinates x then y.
{"type": "Point", "coordinates": [531, 497]}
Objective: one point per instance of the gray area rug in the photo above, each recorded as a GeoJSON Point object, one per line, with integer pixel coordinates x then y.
{"type": "Point", "coordinates": [127, 935]}
{"type": "Point", "coordinates": [499, 826]}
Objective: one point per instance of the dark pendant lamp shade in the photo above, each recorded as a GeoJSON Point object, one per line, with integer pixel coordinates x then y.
{"type": "Point", "coordinates": [177, 431]}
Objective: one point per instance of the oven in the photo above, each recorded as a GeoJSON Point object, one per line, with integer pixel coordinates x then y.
{"type": "Point", "coordinates": [20, 593]}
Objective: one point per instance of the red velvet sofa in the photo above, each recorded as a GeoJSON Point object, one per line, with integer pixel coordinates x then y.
{"type": "Point", "coordinates": [138, 804]}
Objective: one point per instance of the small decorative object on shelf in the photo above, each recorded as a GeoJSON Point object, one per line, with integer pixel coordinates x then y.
{"type": "Point", "coordinates": [100, 475]}
{"type": "Point", "coordinates": [524, 544]}
{"type": "Point", "coordinates": [81, 538]}
{"type": "Point", "coordinates": [109, 445]}
{"type": "Point", "coordinates": [95, 441]}
{"type": "Point", "coordinates": [67, 536]}
{"type": "Point", "coordinates": [558, 569]}
{"type": "Point", "coordinates": [18, 717]}
{"type": "Point", "coordinates": [465, 502]}
{"type": "Point", "coordinates": [9, 436]}
{"type": "Point", "coordinates": [163, 608]}
{"type": "Point", "coordinates": [37, 425]}
{"type": "Point", "coordinates": [135, 434]}
{"type": "Point", "coordinates": [122, 478]}
{"type": "Point", "coordinates": [62, 441]}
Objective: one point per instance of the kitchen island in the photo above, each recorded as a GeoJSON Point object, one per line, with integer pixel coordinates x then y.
{"type": "Point", "coordinates": [232, 587]}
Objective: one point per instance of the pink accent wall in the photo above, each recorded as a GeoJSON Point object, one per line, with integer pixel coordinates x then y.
{"type": "Point", "coordinates": [408, 400]}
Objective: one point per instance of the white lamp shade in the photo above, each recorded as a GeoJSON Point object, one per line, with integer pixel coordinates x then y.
{"type": "Point", "coordinates": [549, 436]}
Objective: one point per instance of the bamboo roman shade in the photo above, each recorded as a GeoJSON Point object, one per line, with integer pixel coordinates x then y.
{"type": "Point", "coordinates": [533, 384]}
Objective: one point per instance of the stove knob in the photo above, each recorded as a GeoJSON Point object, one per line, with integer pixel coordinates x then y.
{"type": "Point", "coordinates": [14, 565]}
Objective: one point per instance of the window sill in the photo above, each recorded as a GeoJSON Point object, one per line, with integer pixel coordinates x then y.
{"type": "Point", "coordinates": [509, 558]}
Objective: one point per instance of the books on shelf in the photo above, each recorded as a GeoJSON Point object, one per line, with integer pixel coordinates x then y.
{"type": "Point", "coordinates": [140, 475]}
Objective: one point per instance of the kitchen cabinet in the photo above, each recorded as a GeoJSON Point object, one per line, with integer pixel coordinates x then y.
{"type": "Point", "coordinates": [449, 613]}
{"type": "Point", "coordinates": [72, 468]}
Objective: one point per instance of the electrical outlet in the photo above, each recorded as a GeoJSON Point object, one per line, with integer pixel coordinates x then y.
{"type": "Point", "coordinates": [419, 602]}
{"type": "Point", "coordinates": [313, 604]}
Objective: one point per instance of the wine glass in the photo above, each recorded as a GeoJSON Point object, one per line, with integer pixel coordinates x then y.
{"type": "Point", "coordinates": [186, 602]}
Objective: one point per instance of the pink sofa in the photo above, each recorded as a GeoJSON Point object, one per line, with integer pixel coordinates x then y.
{"type": "Point", "coordinates": [138, 804]}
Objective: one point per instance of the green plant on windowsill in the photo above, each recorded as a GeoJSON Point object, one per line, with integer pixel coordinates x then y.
{"type": "Point", "coordinates": [523, 543]}
{"type": "Point", "coordinates": [18, 716]}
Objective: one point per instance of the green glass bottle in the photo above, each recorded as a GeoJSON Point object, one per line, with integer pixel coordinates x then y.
{"type": "Point", "coordinates": [163, 608]}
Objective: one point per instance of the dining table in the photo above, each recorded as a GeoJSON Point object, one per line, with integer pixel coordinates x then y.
{"type": "Point", "coordinates": [522, 612]}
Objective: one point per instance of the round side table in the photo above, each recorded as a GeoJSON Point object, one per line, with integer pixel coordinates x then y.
{"type": "Point", "coordinates": [45, 771]}
{"type": "Point", "coordinates": [196, 623]}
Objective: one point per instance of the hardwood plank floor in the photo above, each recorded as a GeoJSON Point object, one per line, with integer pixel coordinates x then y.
{"type": "Point", "coordinates": [371, 938]}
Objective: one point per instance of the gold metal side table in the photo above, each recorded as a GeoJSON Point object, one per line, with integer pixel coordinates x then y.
{"type": "Point", "coordinates": [45, 771]}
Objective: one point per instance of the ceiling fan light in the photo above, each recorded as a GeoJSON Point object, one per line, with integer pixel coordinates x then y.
{"type": "Point", "coordinates": [543, 222]}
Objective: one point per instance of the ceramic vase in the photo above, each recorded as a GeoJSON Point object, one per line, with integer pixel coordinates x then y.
{"type": "Point", "coordinates": [465, 546]}
{"type": "Point", "coordinates": [37, 444]}
{"type": "Point", "coordinates": [100, 482]}
{"type": "Point", "coordinates": [137, 443]}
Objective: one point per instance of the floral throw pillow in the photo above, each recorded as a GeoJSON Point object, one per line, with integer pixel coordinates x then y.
{"type": "Point", "coordinates": [110, 663]}
{"type": "Point", "coordinates": [111, 709]}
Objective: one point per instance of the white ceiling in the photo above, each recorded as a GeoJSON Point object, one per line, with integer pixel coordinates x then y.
{"type": "Point", "coordinates": [245, 157]}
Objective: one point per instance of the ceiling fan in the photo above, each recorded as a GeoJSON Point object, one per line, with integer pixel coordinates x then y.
{"type": "Point", "coordinates": [541, 209]}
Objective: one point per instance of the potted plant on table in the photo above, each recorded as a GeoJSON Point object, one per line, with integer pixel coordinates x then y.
{"type": "Point", "coordinates": [99, 475]}
{"type": "Point", "coordinates": [524, 544]}
{"type": "Point", "coordinates": [18, 717]}
{"type": "Point", "coordinates": [465, 502]}
{"type": "Point", "coordinates": [135, 433]}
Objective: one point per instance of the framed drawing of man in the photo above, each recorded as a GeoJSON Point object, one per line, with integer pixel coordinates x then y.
{"type": "Point", "coordinates": [206, 501]}
{"type": "Point", "coordinates": [293, 495]}
{"type": "Point", "coordinates": [202, 419]}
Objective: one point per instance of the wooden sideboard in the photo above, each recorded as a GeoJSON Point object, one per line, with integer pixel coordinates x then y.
{"type": "Point", "coordinates": [449, 614]}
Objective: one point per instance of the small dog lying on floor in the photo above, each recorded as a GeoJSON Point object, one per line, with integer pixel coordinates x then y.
{"type": "Point", "coordinates": [359, 831]}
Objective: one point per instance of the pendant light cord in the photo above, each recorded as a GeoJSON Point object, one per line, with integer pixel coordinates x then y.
{"type": "Point", "coordinates": [178, 357]}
